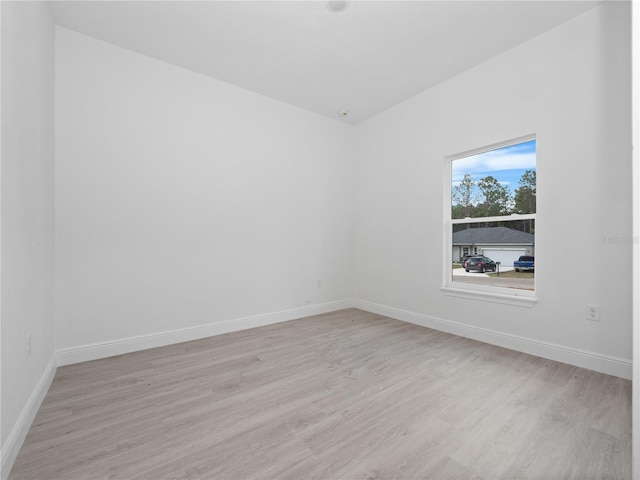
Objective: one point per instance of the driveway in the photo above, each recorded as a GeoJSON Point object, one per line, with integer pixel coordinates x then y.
{"type": "Point", "coordinates": [460, 272]}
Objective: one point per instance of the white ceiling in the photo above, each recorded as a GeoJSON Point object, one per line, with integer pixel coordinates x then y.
{"type": "Point", "coordinates": [364, 59]}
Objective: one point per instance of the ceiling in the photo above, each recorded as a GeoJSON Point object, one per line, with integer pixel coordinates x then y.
{"type": "Point", "coordinates": [365, 59]}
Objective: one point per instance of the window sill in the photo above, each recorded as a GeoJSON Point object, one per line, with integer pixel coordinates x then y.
{"type": "Point", "coordinates": [520, 299]}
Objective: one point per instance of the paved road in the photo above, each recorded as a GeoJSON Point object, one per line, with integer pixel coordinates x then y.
{"type": "Point", "coordinates": [460, 272]}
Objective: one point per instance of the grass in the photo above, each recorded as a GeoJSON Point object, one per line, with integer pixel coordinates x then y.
{"type": "Point", "coordinates": [513, 274]}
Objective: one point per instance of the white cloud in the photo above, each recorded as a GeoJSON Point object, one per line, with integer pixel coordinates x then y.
{"type": "Point", "coordinates": [490, 162]}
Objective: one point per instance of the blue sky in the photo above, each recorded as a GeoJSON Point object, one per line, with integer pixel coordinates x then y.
{"type": "Point", "coordinates": [506, 164]}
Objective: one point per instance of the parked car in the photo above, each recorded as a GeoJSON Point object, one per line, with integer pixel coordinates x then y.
{"type": "Point", "coordinates": [525, 263]}
{"type": "Point", "coordinates": [464, 258]}
{"type": "Point", "coordinates": [480, 263]}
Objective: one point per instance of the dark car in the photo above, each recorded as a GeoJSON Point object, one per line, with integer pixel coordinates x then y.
{"type": "Point", "coordinates": [480, 263]}
{"type": "Point", "coordinates": [464, 258]}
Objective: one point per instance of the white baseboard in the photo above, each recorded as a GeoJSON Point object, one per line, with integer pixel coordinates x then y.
{"type": "Point", "coordinates": [618, 367]}
{"type": "Point", "coordinates": [19, 431]}
{"type": "Point", "coordinates": [84, 353]}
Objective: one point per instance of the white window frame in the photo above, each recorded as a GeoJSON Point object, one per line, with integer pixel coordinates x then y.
{"type": "Point", "coordinates": [511, 296]}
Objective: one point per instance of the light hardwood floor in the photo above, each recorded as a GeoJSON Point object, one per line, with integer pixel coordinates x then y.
{"type": "Point", "coordinates": [346, 395]}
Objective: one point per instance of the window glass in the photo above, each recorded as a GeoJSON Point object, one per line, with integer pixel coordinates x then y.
{"type": "Point", "coordinates": [501, 244]}
{"type": "Point", "coordinates": [492, 220]}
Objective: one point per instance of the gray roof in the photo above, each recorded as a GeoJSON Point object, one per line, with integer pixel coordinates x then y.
{"type": "Point", "coordinates": [492, 236]}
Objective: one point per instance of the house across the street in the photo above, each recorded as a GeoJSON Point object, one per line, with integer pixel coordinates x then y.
{"type": "Point", "coordinates": [500, 244]}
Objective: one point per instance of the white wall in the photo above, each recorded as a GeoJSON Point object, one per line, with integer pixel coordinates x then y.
{"type": "Point", "coordinates": [569, 86]}
{"type": "Point", "coordinates": [27, 215]}
{"type": "Point", "coordinates": [635, 66]}
{"type": "Point", "coordinates": [183, 201]}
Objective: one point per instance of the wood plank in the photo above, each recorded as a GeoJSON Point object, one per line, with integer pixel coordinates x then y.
{"type": "Point", "coordinates": [342, 395]}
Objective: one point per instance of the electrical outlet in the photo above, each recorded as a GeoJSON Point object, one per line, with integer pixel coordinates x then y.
{"type": "Point", "coordinates": [593, 313]}
{"type": "Point", "coordinates": [28, 345]}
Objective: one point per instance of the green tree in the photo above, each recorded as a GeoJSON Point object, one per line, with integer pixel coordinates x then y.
{"type": "Point", "coordinates": [463, 197]}
{"type": "Point", "coordinates": [525, 198]}
{"type": "Point", "coordinates": [497, 198]}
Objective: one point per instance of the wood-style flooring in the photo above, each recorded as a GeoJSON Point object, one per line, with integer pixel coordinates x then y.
{"type": "Point", "coordinates": [346, 395]}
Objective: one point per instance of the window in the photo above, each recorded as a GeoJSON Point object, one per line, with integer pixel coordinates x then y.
{"type": "Point", "coordinates": [491, 222]}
